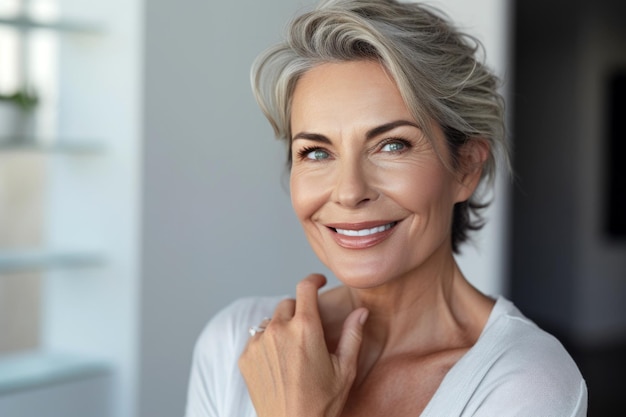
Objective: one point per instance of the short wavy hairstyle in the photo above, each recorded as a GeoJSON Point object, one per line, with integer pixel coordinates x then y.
{"type": "Point", "coordinates": [437, 68]}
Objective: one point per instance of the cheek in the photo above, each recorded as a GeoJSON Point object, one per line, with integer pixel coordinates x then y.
{"type": "Point", "coordinates": [307, 194]}
{"type": "Point", "coordinates": [416, 184]}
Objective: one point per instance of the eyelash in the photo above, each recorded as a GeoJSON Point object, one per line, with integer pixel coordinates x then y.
{"type": "Point", "coordinates": [407, 144]}
{"type": "Point", "coordinates": [302, 153]}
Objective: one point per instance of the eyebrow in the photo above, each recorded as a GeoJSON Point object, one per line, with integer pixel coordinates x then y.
{"type": "Point", "coordinates": [370, 134]}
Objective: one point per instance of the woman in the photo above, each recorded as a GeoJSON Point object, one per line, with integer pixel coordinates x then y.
{"type": "Point", "coordinates": [391, 125]}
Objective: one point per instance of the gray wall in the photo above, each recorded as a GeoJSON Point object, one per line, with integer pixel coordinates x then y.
{"type": "Point", "coordinates": [217, 218]}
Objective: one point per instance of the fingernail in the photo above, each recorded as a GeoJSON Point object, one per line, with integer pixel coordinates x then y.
{"type": "Point", "coordinates": [363, 317]}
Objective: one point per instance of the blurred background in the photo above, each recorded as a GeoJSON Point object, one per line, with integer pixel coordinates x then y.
{"type": "Point", "coordinates": [141, 190]}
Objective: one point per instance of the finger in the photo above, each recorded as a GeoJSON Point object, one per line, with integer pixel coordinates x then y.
{"type": "Point", "coordinates": [306, 294]}
{"type": "Point", "coordinates": [285, 310]}
{"type": "Point", "coordinates": [350, 341]}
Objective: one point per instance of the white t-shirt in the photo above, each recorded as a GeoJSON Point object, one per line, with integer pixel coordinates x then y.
{"type": "Point", "coordinates": [514, 369]}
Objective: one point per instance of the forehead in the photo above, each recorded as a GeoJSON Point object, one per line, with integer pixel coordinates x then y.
{"type": "Point", "coordinates": [346, 94]}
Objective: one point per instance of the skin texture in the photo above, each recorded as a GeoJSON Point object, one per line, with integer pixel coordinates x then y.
{"type": "Point", "coordinates": [381, 343]}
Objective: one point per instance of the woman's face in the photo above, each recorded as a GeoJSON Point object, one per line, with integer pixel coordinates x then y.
{"type": "Point", "coordinates": [373, 197]}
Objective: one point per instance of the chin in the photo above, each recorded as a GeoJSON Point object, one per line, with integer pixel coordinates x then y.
{"type": "Point", "coordinates": [362, 276]}
{"type": "Point", "coordinates": [360, 283]}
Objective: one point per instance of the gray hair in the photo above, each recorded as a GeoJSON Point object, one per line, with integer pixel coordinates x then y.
{"type": "Point", "coordinates": [435, 66]}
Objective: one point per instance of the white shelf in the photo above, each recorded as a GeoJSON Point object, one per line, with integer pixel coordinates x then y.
{"type": "Point", "coordinates": [16, 261]}
{"type": "Point", "coordinates": [60, 146]}
{"type": "Point", "coordinates": [58, 25]}
{"type": "Point", "coordinates": [29, 370]}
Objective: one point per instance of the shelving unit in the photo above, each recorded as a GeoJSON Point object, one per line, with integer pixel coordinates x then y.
{"type": "Point", "coordinates": [42, 259]}
{"type": "Point", "coordinates": [38, 259]}
{"type": "Point", "coordinates": [58, 146]}
{"type": "Point", "coordinates": [26, 23]}
{"type": "Point", "coordinates": [84, 155]}
{"type": "Point", "coordinates": [36, 369]}
{"type": "Point", "coordinates": [43, 367]}
{"type": "Point", "coordinates": [19, 261]}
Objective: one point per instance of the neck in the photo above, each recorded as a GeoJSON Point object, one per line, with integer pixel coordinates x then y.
{"type": "Point", "coordinates": [428, 310]}
{"type": "Point", "coordinates": [418, 303]}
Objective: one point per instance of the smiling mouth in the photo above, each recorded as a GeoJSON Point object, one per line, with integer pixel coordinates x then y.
{"type": "Point", "coordinates": [365, 232]}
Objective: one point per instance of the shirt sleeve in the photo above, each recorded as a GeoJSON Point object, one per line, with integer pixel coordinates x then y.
{"type": "Point", "coordinates": [535, 382]}
{"type": "Point", "coordinates": [516, 399]}
{"type": "Point", "coordinates": [216, 387]}
{"type": "Point", "coordinates": [207, 356]}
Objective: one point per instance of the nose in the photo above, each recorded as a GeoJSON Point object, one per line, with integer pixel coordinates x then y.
{"type": "Point", "coordinates": [352, 187]}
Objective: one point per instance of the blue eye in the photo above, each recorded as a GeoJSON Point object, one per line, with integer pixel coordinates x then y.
{"type": "Point", "coordinates": [316, 154]}
{"type": "Point", "coordinates": [393, 147]}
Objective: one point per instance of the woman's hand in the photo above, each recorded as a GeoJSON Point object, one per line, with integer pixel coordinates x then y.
{"type": "Point", "coordinates": [288, 369]}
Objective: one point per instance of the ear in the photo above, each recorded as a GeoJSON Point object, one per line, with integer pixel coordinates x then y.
{"type": "Point", "coordinates": [472, 157]}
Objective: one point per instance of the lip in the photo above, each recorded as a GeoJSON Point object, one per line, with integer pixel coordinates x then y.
{"type": "Point", "coordinates": [361, 242]}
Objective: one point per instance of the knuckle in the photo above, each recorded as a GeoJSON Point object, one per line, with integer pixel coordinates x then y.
{"type": "Point", "coordinates": [305, 321]}
{"type": "Point", "coordinates": [286, 304]}
{"type": "Point", "coordinates": [302, 319]}
{"type": "Point", "coordinates": [271, 331]}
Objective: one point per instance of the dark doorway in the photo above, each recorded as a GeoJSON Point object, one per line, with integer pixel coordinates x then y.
{"type": "Point", "coordinates": [568, 258]}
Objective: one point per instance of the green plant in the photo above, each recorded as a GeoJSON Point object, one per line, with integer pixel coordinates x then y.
{"type": "Point", "coordinates": [25, 98]}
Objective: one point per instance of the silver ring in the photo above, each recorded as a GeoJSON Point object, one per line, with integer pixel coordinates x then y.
{"type": "Point", "coordinates": [255, 329]}
{"type": "Point", "coordinates": [260, 328]}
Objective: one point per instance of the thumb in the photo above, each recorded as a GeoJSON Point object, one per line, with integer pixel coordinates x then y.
{"type": "Point", "coordinates": [347, 351]}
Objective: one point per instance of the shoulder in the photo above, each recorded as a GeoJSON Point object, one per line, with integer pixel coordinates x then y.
{"type": "Point", "coordinates": [514, 369]}
{"type": "Point", "coordinates": [215, 384]}
{"type": "Point", "coordinates": [229, 327]}
{"type": "Point", "coordinates": [520, 343]}
{"type": "Point", "coordinates": [529, 372]}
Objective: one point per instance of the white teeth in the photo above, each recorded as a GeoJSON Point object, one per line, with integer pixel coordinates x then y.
{"type": "Point", "coordinates": [365, 232]}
